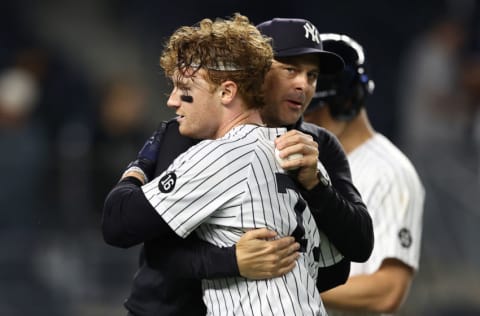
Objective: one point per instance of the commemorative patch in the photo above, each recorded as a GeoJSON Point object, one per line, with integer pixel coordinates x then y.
{"type": "Point", "coordinates": [167, 182]}
{"type": "Point", "coordinates": [405, 237]}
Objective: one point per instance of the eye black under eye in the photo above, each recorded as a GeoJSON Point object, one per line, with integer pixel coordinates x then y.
{"type": "Point", "coordinates": [186, 98]}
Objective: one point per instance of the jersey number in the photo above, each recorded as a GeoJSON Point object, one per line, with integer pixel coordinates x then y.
{"type": "Point", "coordinates": [285, 182]}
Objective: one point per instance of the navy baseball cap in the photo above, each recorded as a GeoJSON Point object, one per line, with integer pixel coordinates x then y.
{"type": "Point", "coordinates": [293, 37]}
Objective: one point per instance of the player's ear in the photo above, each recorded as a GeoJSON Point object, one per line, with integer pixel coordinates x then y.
{"type": "Point", "coordinates": [228, 91]}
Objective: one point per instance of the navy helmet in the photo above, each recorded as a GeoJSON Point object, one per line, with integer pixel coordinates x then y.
{"type": "Point", "coordinates": [345, 92]}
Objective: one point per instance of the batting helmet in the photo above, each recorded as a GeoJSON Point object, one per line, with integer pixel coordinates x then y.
{"type": "Point", "coordinates": [344, 93]}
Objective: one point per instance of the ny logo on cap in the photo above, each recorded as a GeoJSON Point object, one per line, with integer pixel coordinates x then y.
{"type": "Point", "coordinates": [312, 31]}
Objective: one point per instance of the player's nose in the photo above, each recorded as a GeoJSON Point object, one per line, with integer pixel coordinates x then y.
{"type": "Point", "coordinates": [174, 99]}
{"type": "Point", "coordinates": [301, 81]}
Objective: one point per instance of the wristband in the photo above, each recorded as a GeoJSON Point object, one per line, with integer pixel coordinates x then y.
{"type": "Point", "coordinates": [138, 170]}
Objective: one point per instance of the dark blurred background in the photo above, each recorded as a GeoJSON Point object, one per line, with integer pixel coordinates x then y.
{"type": "Point", "coordinates": [81, 89]}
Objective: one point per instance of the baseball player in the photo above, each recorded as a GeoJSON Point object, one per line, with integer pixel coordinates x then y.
{"type": "Point", "coordinates": [230, 182]}
{"type": "Point", "coordinates": [164, 275]}
{"type": "Point", "coordinates": [387, 181]}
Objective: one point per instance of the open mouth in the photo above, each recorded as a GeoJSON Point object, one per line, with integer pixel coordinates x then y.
{"type": "Point", "coordinates": [295, 104]}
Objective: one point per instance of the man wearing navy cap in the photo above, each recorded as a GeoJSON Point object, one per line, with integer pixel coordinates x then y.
{"type": "Point", "coordinates": [287, 40]}
{"type": "Point", "coordinates": [167, 282]}
{"type": "Point", "coordinates": [289, 88]}
{"type": "Point", "coordinates": [299, 59]}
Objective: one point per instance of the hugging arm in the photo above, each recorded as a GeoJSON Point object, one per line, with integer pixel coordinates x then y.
{"type": "Point", "coordinates": [129, 219]}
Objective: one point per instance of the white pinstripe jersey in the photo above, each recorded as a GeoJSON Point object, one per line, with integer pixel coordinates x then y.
{"type": "Point", "coordinates": [223, 187]}
{"type": "Point", "coordinates": [394, 196]}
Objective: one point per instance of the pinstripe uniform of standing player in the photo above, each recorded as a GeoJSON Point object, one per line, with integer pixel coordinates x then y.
{"type": "Point", "coordinates": [394, 194]}
{"type": "Point", "coordinates": [230, 185]}
{"type": "Point", "coordinates": [387, 181]}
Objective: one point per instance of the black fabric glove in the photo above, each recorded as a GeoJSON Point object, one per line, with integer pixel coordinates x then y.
{"type": "Point", "coordinates": [148, 155]}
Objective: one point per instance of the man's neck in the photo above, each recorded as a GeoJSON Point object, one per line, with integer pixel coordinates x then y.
{"type": "Point", "coordinates": [357, 131]}
{"type": "Point", "coordinates": [251, 116]}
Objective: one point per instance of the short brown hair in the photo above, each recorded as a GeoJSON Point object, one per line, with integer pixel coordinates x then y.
{"type": "Point", "coordinates": [227, 49]}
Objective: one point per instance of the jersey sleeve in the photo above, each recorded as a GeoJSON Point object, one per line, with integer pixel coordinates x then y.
{"type": "Point", "coordinates": [196, 185]}
{"type": "Point", "coordinates": [397, 217]}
